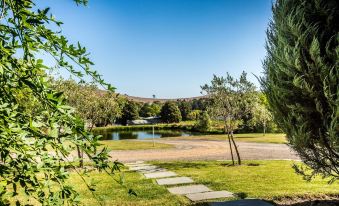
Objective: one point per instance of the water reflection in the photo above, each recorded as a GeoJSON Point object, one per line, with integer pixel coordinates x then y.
{"type": "Point", "coordinates": [144, 134]}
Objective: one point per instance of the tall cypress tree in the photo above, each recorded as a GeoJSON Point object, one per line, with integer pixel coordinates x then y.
{"type": "Point", "coordinates": [302, 80]}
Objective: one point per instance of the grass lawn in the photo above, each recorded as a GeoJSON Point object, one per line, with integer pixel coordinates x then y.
{"type": "Point", "coordinates": [132, 145]}
{"type": "Point", "coordinates": [112, 193]}
{"type": "Point", "coordinates": [278, 138]}
{"type": "Point", "coordinates": [270, 180]}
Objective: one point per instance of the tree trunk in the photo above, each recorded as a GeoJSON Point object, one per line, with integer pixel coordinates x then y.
{"type": "Point", "coordinates": [80, 156]}
{"type": "Point", "coordinates": [229, 141]}
{"type": "Point", "coordinates": [236, 148]}
{"type": "Point", "coordinates": [264, 127]}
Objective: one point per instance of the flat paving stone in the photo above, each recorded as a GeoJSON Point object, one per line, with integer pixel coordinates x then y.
{"type": "Point", "coordinates": [133, 163]}
{"type": "Point", "coordinates": [148, 167]}
{"type": "Point", "coordinates": [184, 190]}
{"type": "Point", "coordinates": [153, 170]}
{"type": "Point", "coordinates": [246, 202]}
{"type": "Point", "coordinates": [209, 195]}
{"type": "Point", "coordinates": [160, 174]}
{"type": "Point", "coordinates": [174, 181]}
{"type": "Point", "coordinates": [139, 165]}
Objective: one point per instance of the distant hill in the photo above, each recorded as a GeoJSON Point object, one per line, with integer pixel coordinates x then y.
{"type": "Point", "coordinates": [150, 100]}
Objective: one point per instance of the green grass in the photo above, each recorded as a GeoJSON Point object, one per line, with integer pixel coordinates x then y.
{"type": "Point", "coordinates": [132, 145]}
{"type": "Point", "coordinates": [250, 137]}
{"type": "Point", "coordinates": [268, 180]}
{"type": "Point", "coordinates": [111, 193]}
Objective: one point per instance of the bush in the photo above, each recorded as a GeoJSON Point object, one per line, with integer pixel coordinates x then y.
{"type": "Point", "coordinates": [170, 113]}
{"type": "Point", "coordinates": [302, 79]}
{"type": "Point", "coordinates": [203, 123]}
{"type": "Point", "coordinates": [129, 112]}
{"type": "Point", "coordinates": [185, 108]}
{"type": "Point", "coordinates": [150, 110]}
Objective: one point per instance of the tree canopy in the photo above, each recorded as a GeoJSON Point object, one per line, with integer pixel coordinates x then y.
{"type": "Point", "coordinates": [302, 77]}
{"type": "Point", "coordinates": [32, 156]}
{"type": "Point", "coordinates": [230, 99]}
{"type": "Point", "coordinates": [170, 113]}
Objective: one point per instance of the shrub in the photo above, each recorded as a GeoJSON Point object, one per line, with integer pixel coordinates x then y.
{"type": "Point", "coordinates": [170, 113]}
{"type": "Point", "coordinates": [204, 122]}
{"type": "Point", "coordinates": [302, 77]}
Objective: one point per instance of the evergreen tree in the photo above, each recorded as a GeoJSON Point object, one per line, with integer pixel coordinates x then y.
{"type": "Point", "coordinates": [170, 113]}
{"type": "Point", "coordinates": [130, 112]}
{"type": "Point", "coordinates": [302, 80]}
{"type": "Point", "coordinates": [185, 108]}
{"type": "Point", "coordinates": [204, 122]}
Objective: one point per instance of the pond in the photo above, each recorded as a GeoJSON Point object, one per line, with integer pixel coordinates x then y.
{"type": "Point", "coordinates": [142, 134]}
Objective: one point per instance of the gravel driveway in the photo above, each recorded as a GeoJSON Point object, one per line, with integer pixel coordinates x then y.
{"type": "Point", "coordinates": [206, 150]}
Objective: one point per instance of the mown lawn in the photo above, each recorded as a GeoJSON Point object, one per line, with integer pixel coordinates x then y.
{"type": "Point", "coordinates": [132, 145]}
{"type": "Point", "coordinates": [269, 180]}
{"type": "Point", "coordinates": [110, 192]}
{"type": "Point", "coordinates": [277, 138]}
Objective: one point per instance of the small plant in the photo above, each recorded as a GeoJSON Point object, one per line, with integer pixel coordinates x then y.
{"type": "Point", "coordinates": [204, 122]}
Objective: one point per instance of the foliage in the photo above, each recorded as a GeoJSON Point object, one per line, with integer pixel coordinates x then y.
{"type": "Point", "coordinates": [98, 108]}
{"type": "Point", "coordinates": [200, 104]}
{"type": "Point", "coordinates": [185, 108]}
{"type": "Point", "coordinates": [204, 122]}
{"type": "Point", "coordinates": [194, 115]}
{"type": "Point", "coordinates": [150, 110]}
{"type": "Point", "coordinates": [261, 116]}
{"type": "Point", "coordinates": [27, 131]}
{"type": "Point", "coordinates": [130, 111]}
{"type": "Point", "coordinates": [170, 113]}
{"type": "Point", "coordinates": [302, 77]}
{"type": "Point", "coordinates": [230, 99]}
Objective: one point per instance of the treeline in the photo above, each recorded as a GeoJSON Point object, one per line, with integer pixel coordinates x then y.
{"type": "Point", "coordinates": [100, 108]}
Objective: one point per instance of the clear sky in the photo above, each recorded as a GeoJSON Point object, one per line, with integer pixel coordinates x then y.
{"type": "Point", "coordinates": [167, 47]}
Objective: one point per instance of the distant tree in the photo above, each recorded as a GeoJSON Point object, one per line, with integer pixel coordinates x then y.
{"type": "Point", "coordinates": [129, 112]}
{"type": "Point", "coordinates": [185, 108]}
{"type": "Point", "coordinates": [96, 107]}
{"type": "Point", "coordinates": [230, 100]}
{"type": "Point", "coordinates": [261, 116]}
{"type": "Point", "coordinates": [170, 113]}
{"type": "Point", "coordinates": [200, 104]}
{"type": "Point", "coordinates": [301, 80]}
{"type": "Point", "coordinates": [194, 115]}
{"type": "Point", "coordinates": [153, 96]}
{"type": "Point", "coordinates": [156, 108]}
{"type": "Point", "coordinates": [204, 122]}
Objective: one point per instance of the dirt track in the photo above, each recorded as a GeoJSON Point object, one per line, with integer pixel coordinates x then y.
{"type": "Point", "coordinates": [206, 150]}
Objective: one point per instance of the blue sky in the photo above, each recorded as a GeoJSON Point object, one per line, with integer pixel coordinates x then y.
{"type": "Point", "coordinates": [167, 47]}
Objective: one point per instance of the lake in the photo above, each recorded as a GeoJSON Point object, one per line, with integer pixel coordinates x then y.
{"type": "Point", "coordinates": [142, 134]}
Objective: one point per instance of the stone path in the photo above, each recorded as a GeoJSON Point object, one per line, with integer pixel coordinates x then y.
{"type": "Point", "coordinates": [184, 185]}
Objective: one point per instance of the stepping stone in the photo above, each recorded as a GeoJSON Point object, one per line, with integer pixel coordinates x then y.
{"type": "Point", "coordinates": [160, 174]}
{"type": "Point", "coordinates": [153, 170]}
{"type": "Point", "coordinates": [209, 195]}
{"type": "Point", "coordinates": [247, 202]}
{"type": "Point", "coordinates": [134, 163]}
{"type": "Point", "coordinates": [147, 167]}
{"type": "Point", "coordinates": [138, 165]}
{"type": "Point", "coordinates": [184, 190]}
{"type": "Point", "coordinates": [174, 181]}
